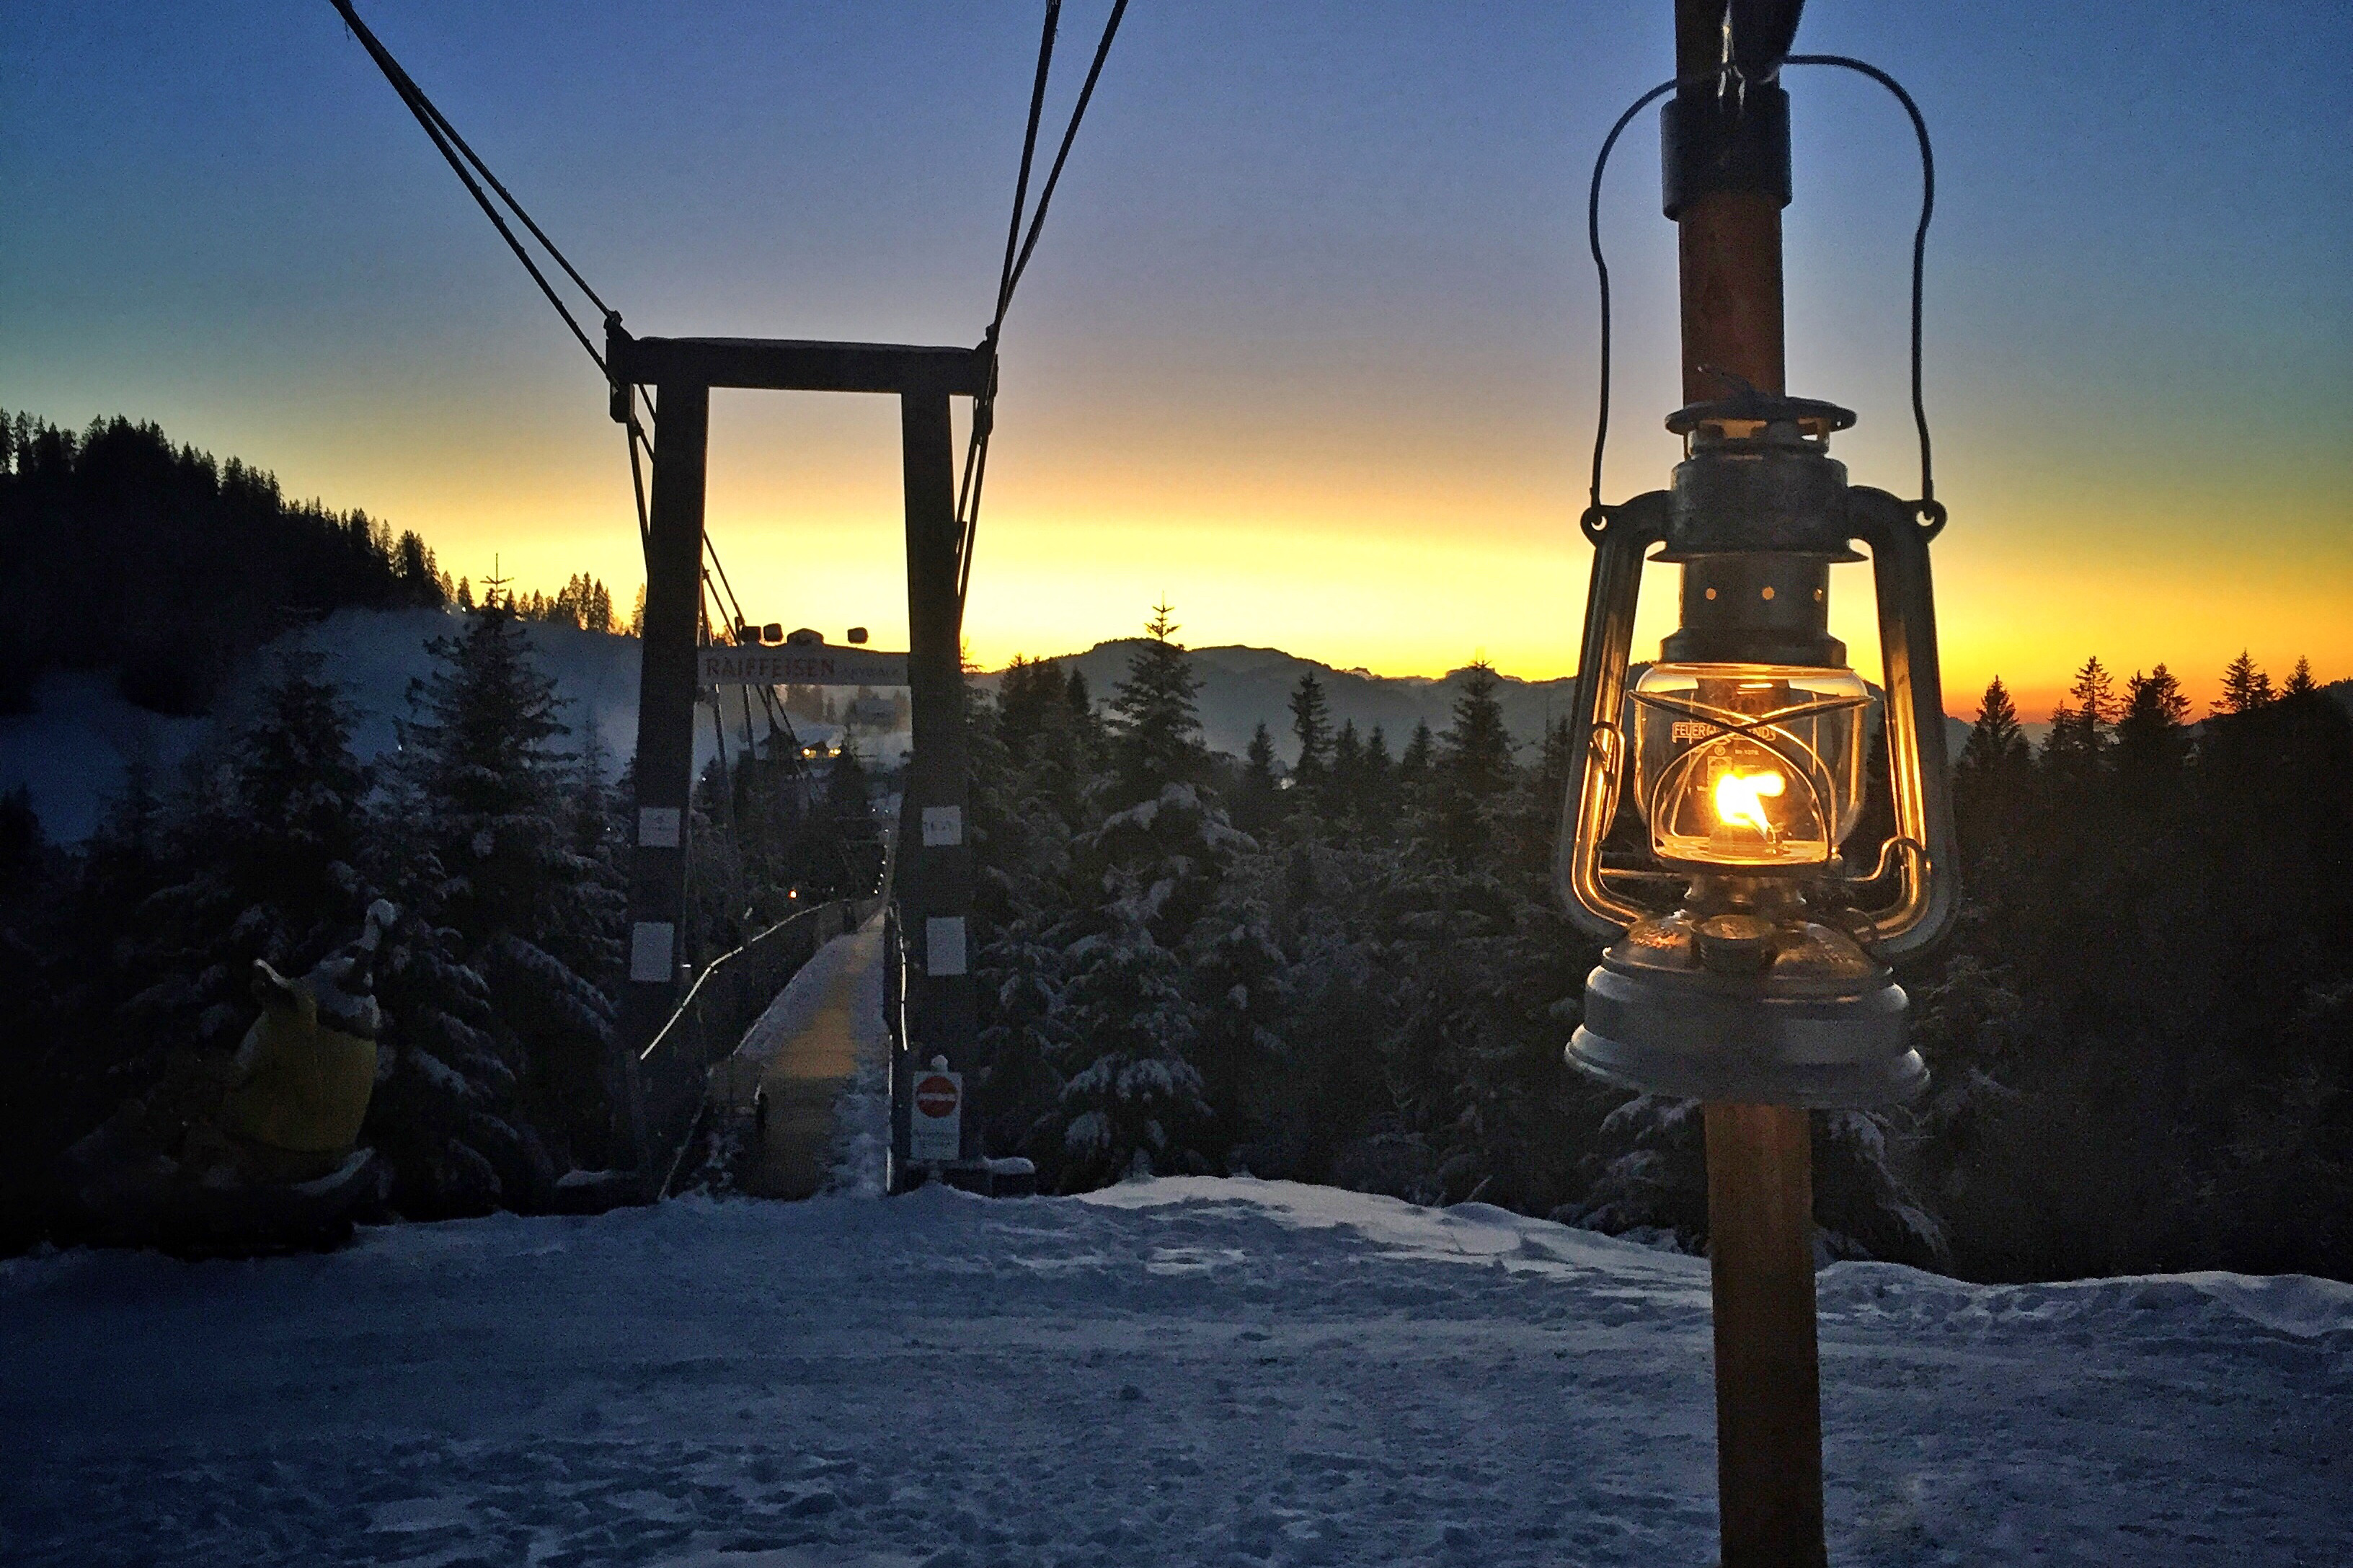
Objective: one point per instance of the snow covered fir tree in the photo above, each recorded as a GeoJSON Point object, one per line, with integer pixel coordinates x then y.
{"type": "Point", "coordinates": [494, 834]}
{"type": "Point", "coordinates": [1322, 959]}
{"type": "Point", "coordinates": [1334, 957]}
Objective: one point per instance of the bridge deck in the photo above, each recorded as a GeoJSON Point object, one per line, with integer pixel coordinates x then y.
{"type": "Point", "coordinates": [799, 1056]}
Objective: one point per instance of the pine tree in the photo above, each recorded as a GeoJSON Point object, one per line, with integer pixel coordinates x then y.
{"type": "Point", "coordinates": [1652, 1182]}
{"type": "Point", "coordinates": [1031, 777]}
{"type": "Point", "coordinates": [2149, 738]}
{"type": "Point", "coordinates": [1157, 728]}
{"type": "Point", "coordinates": [302, 790]}
{"type": "Point", "coordinates": [2094, 693]}
{"type": "Point", "coordinates": [2299, 681]}
{"type": "Point", "coordinates": [1025, 694]}
{"type": "Point", "coordinates": [1473, 767]}
{"type": "Point", "coordinates": [263, 860]}
{"type": "Point", "coordinates": [516, 915]}
{"type": "Point", "coordinates": [1376, 786]}
{"type": "Point", "coordinates": [2244, 687]}
{"type": "Point", "coordinates": [599, 839]}
{"type": "Point", "coordinates": [1258, 803]}
{"type": "Point", "coordinates": [2080, 732]}
{"type": "Point", "coordinates": [1966, 1025]}
{"type": "Point", "coordinates": [1995, 741]}
{"type": "Point", "coordinates": [1144, 877]}
{"type": "Point", "coordinates": [1864, 1205]}
{"type": "Point", "coordinates": [1346, 802]}
{"type": "Point", "coordinates": [1136, 1104]}
{"type": "Point", "coordinates": [1239, 971]}
{"type": "Point", "coordinates": [1311, 724]}
{"type": "Point", "coordinates": [1991, 780]}
{"type": "Point", "coordinates": [1416, 762]}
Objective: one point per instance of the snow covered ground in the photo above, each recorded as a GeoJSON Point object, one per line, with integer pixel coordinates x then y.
{"type": "Point", "coordinates": [1186, 1371]}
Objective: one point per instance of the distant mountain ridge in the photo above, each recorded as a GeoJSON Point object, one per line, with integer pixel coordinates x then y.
{"type": "Point", "coordinates": [1244, 687]}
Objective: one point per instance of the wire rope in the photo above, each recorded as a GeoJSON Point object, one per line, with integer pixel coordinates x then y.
{"type": "Point", "coordinates": [1016, 261]}
{"type": "Point", "coordinates": [438, 130]}
{"type": "Point", "coordinates": [1020, 245]}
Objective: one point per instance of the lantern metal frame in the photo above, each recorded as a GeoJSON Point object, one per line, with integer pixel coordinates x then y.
{"type": "Point", "coordinates": [1764, 985]}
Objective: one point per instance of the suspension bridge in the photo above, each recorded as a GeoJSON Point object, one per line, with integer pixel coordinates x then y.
{"type": "Point", "coordinates": [683, 1072]}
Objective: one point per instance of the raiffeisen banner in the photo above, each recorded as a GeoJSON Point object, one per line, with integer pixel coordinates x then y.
{"type": "Point", "coordinates": [801, 664]}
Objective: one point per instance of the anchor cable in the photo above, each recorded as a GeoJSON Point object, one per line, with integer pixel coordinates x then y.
{"type": "Point", "coordinates": [465, 163]}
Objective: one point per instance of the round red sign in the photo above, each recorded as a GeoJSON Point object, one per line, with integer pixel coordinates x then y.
{"type": "Point", "coordinates": [936, 1095]}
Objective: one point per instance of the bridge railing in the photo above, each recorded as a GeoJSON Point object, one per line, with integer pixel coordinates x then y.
{"type": "Point", "coordinates": [725, 1000]}
{"type": "Point", "coordinates": [895, 1018]}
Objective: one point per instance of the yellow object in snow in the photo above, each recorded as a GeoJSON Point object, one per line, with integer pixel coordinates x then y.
{"type": "Point", "coordinates": [301, 1087]}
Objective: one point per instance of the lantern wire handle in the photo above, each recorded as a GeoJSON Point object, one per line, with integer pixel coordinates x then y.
{"type": "Point", "coordinates": [1596, 514]}
{"type": "Point", "coordinates": [1930, 512]}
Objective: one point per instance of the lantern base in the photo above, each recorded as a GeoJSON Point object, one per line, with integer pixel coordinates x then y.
{"type": "Point", "coordinates": [1804, 1018]}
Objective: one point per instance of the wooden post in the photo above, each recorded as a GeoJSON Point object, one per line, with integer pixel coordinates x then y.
{"type": "Point", "coordinates": [935, 871]}
{"type": "Point", "coordinates": [1769, 1411]}
{"type": "Point", "coordinates": [1768, 1421]}
{"type": "Point", "coordinates": [665, 760]}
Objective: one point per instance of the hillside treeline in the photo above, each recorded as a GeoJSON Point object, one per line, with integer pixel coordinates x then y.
{"type": "Point", "coordinates": [1356, 973]}
{"type": "Point", "coordinates": [120, 550]}
{"type": "Point", "coordinates": [2145, 1022]}
{"type": "Point", "coordinates": [1351, 971]}
{"type": "Point", "coordinates": [500, 833]}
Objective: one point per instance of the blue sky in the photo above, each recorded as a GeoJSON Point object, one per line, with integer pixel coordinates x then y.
{"type": "Point", "coordinates": [1308, 343]}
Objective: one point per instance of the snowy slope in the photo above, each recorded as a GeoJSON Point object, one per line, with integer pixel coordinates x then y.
{"type": "Point", "coordinates": [1175, 1372]}
{"type": "Point", "coordinates": [69, 753]}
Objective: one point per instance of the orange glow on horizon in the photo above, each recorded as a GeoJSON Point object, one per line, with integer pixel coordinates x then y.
{"type": "Point", "coordinates": [1411, 561]}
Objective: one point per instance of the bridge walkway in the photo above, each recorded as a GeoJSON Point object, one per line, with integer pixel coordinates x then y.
{"type": "Point", "coordinates": [784, 1082]}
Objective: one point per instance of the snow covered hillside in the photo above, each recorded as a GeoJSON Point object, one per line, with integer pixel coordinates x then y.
{"type": "Point", "coordinates": [1178, 1372]}
{"type": "Point", "coordinates": [70, 752]}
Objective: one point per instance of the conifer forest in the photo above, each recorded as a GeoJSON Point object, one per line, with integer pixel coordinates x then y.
{"type": "Point", "coordinates": [1336, 958]}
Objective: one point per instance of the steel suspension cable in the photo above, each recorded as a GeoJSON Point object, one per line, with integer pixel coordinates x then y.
{"type": "Point", "coordinates": [1062, 154]}
{"type": "Point", "coordinates": [984, 407]}
{"type": "Point", "coordinates": [1016, 261]}
{"type": "Point", "coordinates": [447, 141]}
{"type": "Point", "coordinates": [465, 163]}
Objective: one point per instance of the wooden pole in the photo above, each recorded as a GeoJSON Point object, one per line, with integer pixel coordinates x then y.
{"type": "Point", "coordinates": [1768, 1412]}
{"type": "Point", "coordinates": [934, 876]}
{"type": "Point", "coordinates": [665, 765]}
{"type": "Point", "coordinates": [1768, 1421]}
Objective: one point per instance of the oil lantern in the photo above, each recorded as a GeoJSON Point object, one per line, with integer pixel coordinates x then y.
{"type": "Point", "coordinates": [1749, 942]}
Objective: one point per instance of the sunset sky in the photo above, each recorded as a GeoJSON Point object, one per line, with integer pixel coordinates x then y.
{"type": "Point", "coordinates": [1308, 345]}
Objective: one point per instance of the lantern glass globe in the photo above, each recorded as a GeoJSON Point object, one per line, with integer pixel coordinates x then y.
{"type": "Point", "coordinates": [1748, 768]}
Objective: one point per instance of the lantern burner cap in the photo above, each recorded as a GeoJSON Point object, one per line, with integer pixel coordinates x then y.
{"type": "Point", "coordinates": [1758, 417]}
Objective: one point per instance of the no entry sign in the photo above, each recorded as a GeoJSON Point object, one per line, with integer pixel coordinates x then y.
{"type": "Point", "coordinates": [936, 1128]}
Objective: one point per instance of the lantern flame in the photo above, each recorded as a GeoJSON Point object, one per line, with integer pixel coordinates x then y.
{"type": "Point", "coordinates": [1740, 799]}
